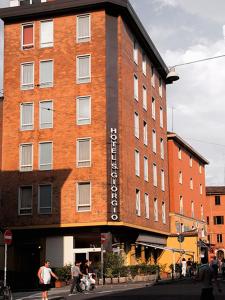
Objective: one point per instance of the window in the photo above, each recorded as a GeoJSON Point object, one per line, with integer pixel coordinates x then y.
{"type": "Point", "coordinates": [145, 133]}
{"type": "Point", "coordinates": [207, 220]}
{"type": "Point", "coordinates": [46, 73]}
{"type": "Point", "coordinates": [153, 108]}
{"type": "Point", "coordinates": [83, 196]}
{"type": "Point", "coordinates": [27, 36]}
{"type": "Point", "coordinates": [218, 220]}
{"type": "Point", "coordinates": [156, 213]}
{"type": "Point", "coordinates": [160, 86]}
{"type": "Point", "coordinates": [182, 227]}
{"type": "Point", "coordinates": [45, 156]}
{"type": "Point", "coordinates": [153, 141]}
{"type": "Point", "coordinates": [144, 64]}
{"type": "Point", "coordinates": [200, 168]}
{"type": "Point", "coordinates": [219, 238]}
{"type": "Point", "coordinates": [26, 116]}
{"type": "Point", "coordinates": [181, 206]}
{"type": "Point", "coordinates": [46, 39]}
{"type": "Point", "coordinates": [83, 69]}
{"type": "Point", "coordinates": [162, 148]}
{"type": "Point", "coordinates": [25, 200]}
{"type": "Point", "coordinates": [190, 161]}
{"type": "Point", "coordinates": [136, 125]}
{"type": "Point", "coordinates": [83, 28]}
{"type": "Point", "coordinates": [192, 209]}
{"type": "Point", "coordinates": [138, 203]}
{"type": "Point", "coordinates": [180, 177]}
{"type": "Point", "coordinates": [162, 180]}
{"type": "Point", "coordinates": [144, 92]}
{"type": "Point", "coordinates": [46, 114]}
{"type": "Point", "coordinates": [152, 76]}
{"type": "Point", "coordinates": [27, 76]}
{"type": "Point", "coordinates": [161, 117]}
{"type": "Point", "coordinates": [84, 152]}
{"type": "Point", "coordinates": [164, 213]}
{"type": "Point", "coordinates": [191, 184]}
{"type": "Point", "coordinates": [147, 214]}
{"type": "Point", "coordinates": [178, 227]}
{"type": "Point", "coordinates": [83, 110]}
{"type": "Point", "coordinates": [45, 199]}
{"type": "Point", "coordinates": [179, 153]}
{"type": "Point", "coordinates": [26, 157]}
{"type": "Point", "coordinates": [135, 52]}
{"type": "Point", "coordinates": [200, 187]}
{"type": "Point", "coordinates": [154, 175]}
{"type": "Point", "coordinates": [137, 163]}
{"type": "Point", "coordinates": [217, 200]}
{"type": "Point", "coordinates": [135, 87]}
{"type": "Point", "coordinates": [145, 168]}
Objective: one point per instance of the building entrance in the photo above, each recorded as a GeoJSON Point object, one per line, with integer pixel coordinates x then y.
{"type": "Point", "coordinates": [92, 254]}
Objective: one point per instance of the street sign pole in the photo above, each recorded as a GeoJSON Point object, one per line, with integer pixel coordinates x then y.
{"type": "Point", "coordinates": [5, 268]}
{"type": "Point", "coordinates": [102, 263]}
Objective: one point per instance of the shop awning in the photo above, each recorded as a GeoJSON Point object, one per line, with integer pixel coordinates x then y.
{"type": "Point", "coordinates": [165, 248]}
{"type": "Point", "coordinates": [151, 239]}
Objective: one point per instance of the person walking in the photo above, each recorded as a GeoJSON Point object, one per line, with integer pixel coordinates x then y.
{"type": "Point", "coordinates": [206, 275]}
{"type": "Point", "coordinates": [189, 267]}
{"type": "Point", "coordinates": [214, 265]}
{"type": "Point", "coordinates": [183, 267]}
{"type": "Point", "coordinates": [75, 275]}
{"type": "Point", "coordinates": [44, 274]}
{"type": "Point", "coordinates": [223, 268]}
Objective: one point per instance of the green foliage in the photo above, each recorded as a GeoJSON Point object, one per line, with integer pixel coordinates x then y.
{"type": "Point", "coordinates": [64, 273]}
{"type": "Point", "coordinates": [113, 264]}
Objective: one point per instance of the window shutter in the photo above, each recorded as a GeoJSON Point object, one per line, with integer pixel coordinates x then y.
{"type": "Point", "coordinates": [45, 156]}
{"type": "Point", "coordinates": [27, 76]}
{"type": "Point", "coordinates": [84, 153]}
{"type": "Point", "coordinates": [46, 73]}
{"type": "Point", "coordinates": [83, 110]}
{"type": "Point", "coordinates": [28, 36]}
{"type": "Point", "coordinates": [46, 34]}
{"type": "Point", "coordinates": [83, 28]}
{"type": "Point", "coordinates": [46, 114]}
{"type": "Point", "coordinates": [26, 116]}
{"type": "Point", "coordinates": [45, 195]}
{"type": "Point", "coordinates": [83, 69]}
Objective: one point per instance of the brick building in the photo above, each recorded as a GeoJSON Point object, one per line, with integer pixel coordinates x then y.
{"type": "Point", "coordinates": [187, 195]}
{"type": "Point", "coordinates": [83, 133]}
{"type": "Point", "coordinates": [215, 208]}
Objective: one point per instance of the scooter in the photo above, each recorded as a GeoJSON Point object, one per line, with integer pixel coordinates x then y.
{"type": "Point", "coordinates": [88, 282]}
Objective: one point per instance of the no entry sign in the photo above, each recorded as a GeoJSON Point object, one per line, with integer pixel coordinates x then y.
{"type": "Point", "coordinates": [8, 237]}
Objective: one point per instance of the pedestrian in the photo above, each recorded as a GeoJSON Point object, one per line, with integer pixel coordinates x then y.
{"type": "Point", "coordinates": [189, 267]}
{"type": "Point", "coordinates": [206, 275]}
{"type": "Point", "coordinates": [75, 275]}
{"type": "Point", "coordinates": [223, 268]}
{"type": "Point", "coordinates": [183, 267]}
{"type": "Point", "coordinates": [44, 274]}
{"type": "Point", "coordinates": [214, 265]}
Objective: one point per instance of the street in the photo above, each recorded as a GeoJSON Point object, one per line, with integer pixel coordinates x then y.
{"type": "Point", "coordinates": [181, 290]}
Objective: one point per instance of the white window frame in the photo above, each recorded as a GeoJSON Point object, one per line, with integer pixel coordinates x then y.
{"type": "Point", "coordinates": [48, 44]}
{"type": "Point", "coordinates": [144, 97]}
{"type": "Point", "coordinates": [44, 213]}
{"type": "Point", "coordinates": [180, 177]}
{"type": "Point", "coordinates": [154, 141]}
{"type": "Point", "coordinates": [86, 38]}
{"type": "Point", "coordinates": [156, 210]}
{"type": "Point", "coordinates": [201, 189]}
{"type": "Point", "coordinates": [138, 203]}
{"type": "Point", "coordinates": [77, 110]}
{"type": "Point", "coordinates": [77, 197]}
{"type": "Point", "coordinates": [161, 117]}
{"type": "Point", "coordinates": [29, 46]}
{"type": "Point", "coordinates": [153, 108]}
{"type": "Point", "coordinates": [146, 169]}
{"type": "Point", "coordinates": [21, 114]}
{"type": "Point", "coordinates": [152, 76]}
{"type": "Point", "coordinates": [136, 90]}
{"type": "Point", "coordinates": [137, 162]}
{"type": "Point", "coordinates": [163, 212]}
{"type": "Point", "coordinates": [40, 109]}
{"type": "Point", "coordinates": [20, 160]}
{"type": "Point", "coordinates": [46, 84]}
{"type": "Point", "coordinates": [90, 148]}
{"type": "Point", "coordinates": [145, 133]}
{"type": "Point", "coordinates": [88, 78]}
{"type": "Point", "coordinates": [192, 209]}
{"type": "Point", "coordinates": [135, 52]}
{"type": "Point", "coordinates": [19, 201]}
{"type": "Point", "coordinates": [144, 63]}
{"type": "Point", "coordinates": [136, 128]}
{"type": "Point", "coordinates": [191, 162]}
{"type": "Point", "coordinates": [163, 180]}
{"type": "Point", "coordinates": [155, 175]}
{"type": "Point", "coordinates": [181, 205]}
{"type": "Point", "coordinates": [39, 156]}
{"type": "Point", "coordinates": [30, 85]}
{"type": "Point", "coordinates": [147, 207]}
{"type": "Point", "coordinates": [162, 151]}
{"type": "Point", "coordinates": [200, 168]}
{"type": "Point", "coordinates": [179, 153]}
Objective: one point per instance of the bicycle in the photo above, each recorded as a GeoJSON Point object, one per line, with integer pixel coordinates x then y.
{"type": "Point", "coordinates": [5, 292]}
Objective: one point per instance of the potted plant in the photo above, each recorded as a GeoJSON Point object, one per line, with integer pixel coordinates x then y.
{"type": "Point", "coordinates": [64, 275]}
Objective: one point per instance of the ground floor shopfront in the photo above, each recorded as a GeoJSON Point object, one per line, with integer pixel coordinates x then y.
{"type": "Point", "coordinates": [64, 246]}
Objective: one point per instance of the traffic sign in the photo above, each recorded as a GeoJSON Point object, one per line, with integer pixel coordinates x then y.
{"type": "Point", "coordinates": [180, 238]}
{"type": "Point", "coordinates": [8, 237]}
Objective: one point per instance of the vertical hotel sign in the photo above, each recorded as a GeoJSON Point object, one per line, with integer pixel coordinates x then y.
{"type": "Point", "coordinates": [114, 199]}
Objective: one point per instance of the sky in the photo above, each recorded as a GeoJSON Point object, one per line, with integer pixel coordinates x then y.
{"type": "Point", "coordinates": [183, 31]}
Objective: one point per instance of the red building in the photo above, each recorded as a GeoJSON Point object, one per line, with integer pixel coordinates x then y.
{"type": "Point", "coordinates": [83, 133]}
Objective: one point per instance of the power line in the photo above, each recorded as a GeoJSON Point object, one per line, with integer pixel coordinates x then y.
{"type": "Point", "coordinates": [198, 60]}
